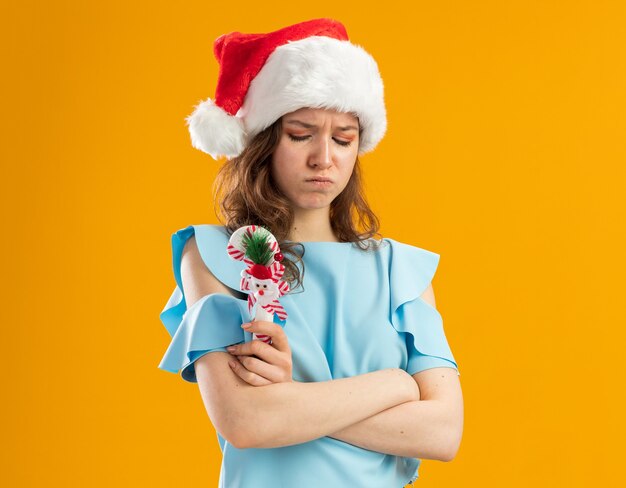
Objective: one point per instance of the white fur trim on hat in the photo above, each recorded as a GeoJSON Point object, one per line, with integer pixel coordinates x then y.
{"type": "Point", "coordinates": [215, 131]}
{"type": "Point", "coordinates": [318, 72]}
{"type": "Point", "coordinates": [314, 72]}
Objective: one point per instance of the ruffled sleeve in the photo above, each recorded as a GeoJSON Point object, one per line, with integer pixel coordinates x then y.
{"type": "Point", "coordinates": [411, 269]}
{"type": "Point", "coordinates": [213, 322]}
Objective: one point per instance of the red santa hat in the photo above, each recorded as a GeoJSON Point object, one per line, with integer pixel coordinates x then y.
{"type": "Point", "coordinates": [265, 76]}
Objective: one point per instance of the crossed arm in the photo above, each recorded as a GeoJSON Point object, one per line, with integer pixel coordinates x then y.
{"type": "Point", "coordinates": [288, 413]}
{"type": "Point", "coordinates": [385, 411]}
{"type": "Point", "coordinates": [379, 411]}
{"type": "Point", "coordinates": [429, 427]}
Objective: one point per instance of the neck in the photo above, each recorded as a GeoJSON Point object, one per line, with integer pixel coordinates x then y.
{"type": "Point", "coordinates": [312, 225]}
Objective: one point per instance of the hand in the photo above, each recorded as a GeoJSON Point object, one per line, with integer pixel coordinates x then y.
{"type": "Point", "coordinates": [272, 363]}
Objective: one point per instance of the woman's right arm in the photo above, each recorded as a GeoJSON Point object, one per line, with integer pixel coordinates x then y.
{"type": "Point", "coordinates": [282, 414]}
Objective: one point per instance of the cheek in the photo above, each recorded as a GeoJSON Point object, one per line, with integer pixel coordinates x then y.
{"type": "Point", "coordinates": [280, 172]}
{"type": "Point", "coordinates": [348, 169]}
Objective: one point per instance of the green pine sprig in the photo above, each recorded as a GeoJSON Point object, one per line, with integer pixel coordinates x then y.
{"type": "Point", "coordinates": [257, 247]}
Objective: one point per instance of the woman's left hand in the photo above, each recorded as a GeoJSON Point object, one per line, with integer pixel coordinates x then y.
{"type": "Point", "coordinates": [272, 363]}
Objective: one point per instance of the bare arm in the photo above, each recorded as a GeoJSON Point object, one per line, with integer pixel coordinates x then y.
{"type": "Point", "coordinates": [282, 414]}
{"type": "Point", "coordinates": [429, 428]}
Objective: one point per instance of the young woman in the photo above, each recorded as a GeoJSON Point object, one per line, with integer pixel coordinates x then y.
{"type": "Point", "coordinates": [359, 382]}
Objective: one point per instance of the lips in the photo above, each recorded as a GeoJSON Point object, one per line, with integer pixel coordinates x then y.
{"type": "Point", "coordinates": [320, 178]}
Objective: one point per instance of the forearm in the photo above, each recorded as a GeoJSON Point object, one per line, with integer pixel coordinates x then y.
{"type": "Point", "coordinates": [283, 414]}
{"type": "Point", "coordinates": [420, 429]}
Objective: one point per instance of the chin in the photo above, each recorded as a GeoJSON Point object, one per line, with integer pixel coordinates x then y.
{"type": "Point", "coordinates": [311, 205]}
{"type": "Point", "coordinates": [310, 200]}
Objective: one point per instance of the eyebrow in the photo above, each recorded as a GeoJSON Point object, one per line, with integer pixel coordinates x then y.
{"type": "Point", "coordinates": [312, 126]}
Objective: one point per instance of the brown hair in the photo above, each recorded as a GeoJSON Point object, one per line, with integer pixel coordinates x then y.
{"type": "Point", "coordinates": [247, 195]}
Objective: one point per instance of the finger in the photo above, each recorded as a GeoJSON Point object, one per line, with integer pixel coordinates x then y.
{"type": "Point", "coordinates": [248, 376]}
{"type": "Point", "coordinates": [275, 331]}
{"type": "Point", "coordinates": [272, 373]}
{"type": "Point", "coordinates": [262, 350]}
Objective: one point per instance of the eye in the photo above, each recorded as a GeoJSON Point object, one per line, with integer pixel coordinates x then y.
{"type": "Point", "coordinates": [343, 143]}
{"type": "Point", "coordinates": [298, 138]}
{"type": "Point", "coordinates": [304, 138]}
{"type": "Point", "coordinates": [257, 285]}
{"type": "Point", "coordinates": [264, 286]}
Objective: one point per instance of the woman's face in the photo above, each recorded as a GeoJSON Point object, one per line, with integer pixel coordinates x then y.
{"type": "Point", "coordinates": [315, 143]}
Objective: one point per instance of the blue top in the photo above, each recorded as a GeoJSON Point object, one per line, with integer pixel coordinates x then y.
{"type": "Point", "coordinates": [360, 311]}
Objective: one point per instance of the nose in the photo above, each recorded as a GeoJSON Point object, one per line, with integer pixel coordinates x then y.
{"type": "Point", "coordinates": [322, 154]}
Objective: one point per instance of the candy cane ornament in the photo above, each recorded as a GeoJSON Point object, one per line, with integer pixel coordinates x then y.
{"type": "Point", "coordinates": [259, 250]}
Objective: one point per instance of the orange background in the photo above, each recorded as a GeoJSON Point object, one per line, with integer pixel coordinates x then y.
{"type": "Point", "coordinates": [505, 154]}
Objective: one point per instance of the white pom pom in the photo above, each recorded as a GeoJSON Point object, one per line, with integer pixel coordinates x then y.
{"type": "Point", "coordinates": [216, 132]}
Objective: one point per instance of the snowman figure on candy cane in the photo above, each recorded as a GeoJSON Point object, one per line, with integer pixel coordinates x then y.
{"type": "Point", "coordinates": [258, 248]}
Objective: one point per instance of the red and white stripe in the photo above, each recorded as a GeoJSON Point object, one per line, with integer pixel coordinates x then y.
{"type": "Point", "coordinates": [262, 337]}
{"type": "Point", "coordinates": [251, 301]}
{"type": "Point", "coordinates": [233, 252]}
{"type": "Point", "coordinates": [277, 269]}
{"type": "Point", "coordinates": [283, 288]}
{"type": "Point", "coordinates": [244, 285]}
{"type": "Point", "coordinates": [276, 308]}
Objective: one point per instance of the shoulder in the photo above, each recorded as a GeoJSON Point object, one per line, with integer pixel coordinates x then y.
{"type": "Point", "coordinates": [202, 262]}
{"type": "Point", "coordinates": [202, 232]}
{"type": "Point", "coordinates": [190, 253]}
{"type": "Point", "coordinates": [428, 295]}
{"type": "Point", "coordinates": [197, 278]}
{"type": "Point", "coordinates": [411, 268]}
{"type": "Point", "coordinates": [408, 248]}
{"type": "Point", "coordinates": [197, 241]}
{"type": "Point", "coordinates": [200, 237]}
